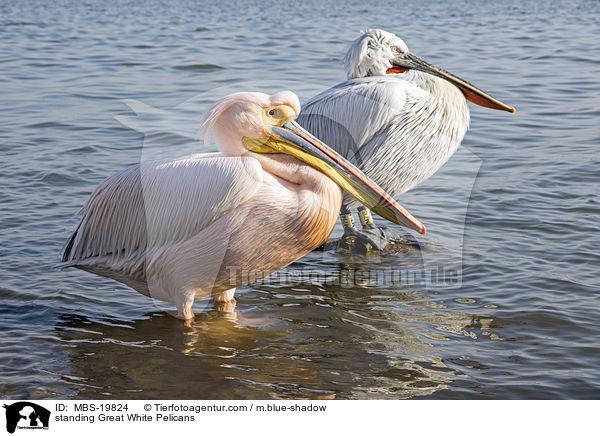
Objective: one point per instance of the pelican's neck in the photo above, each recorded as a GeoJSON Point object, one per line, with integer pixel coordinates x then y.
{"type": "Point", "coordinates": [444, 92]}
{"type": "Point", "coordinates": [293, 170]}
{"type": "Point", "coordinates": [446, 107]}
{"type": "Point", "coordinates": [318, 198]}
{"type": "Point", "coordinates": [229, 142]}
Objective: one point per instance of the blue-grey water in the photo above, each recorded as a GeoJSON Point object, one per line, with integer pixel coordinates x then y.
{"type": "Point", "coordinates": [512, 217]}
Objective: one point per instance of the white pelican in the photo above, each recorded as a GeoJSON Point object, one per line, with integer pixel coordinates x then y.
{"type": "Point", "coordinates": [397, 117]}
{"type": "Point", "coordinates": [181, 230]}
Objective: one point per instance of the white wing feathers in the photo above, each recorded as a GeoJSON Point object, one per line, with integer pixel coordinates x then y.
{"type": "Point", "coordinates": [146, 208]}
{"type": "Point", "coordinates": [348, 115]}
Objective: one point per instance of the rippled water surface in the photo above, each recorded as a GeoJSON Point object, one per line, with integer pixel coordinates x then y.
{"type": "Point", "coordinates": [513, 217]}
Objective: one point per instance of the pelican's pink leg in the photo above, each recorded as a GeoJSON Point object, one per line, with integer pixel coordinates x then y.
{"type": "Point", "coordinates": [224, 301]}
{"type": "Point", "coordinates": [184, 307]}
{"type": "Point", "coordinates": [225, 296]}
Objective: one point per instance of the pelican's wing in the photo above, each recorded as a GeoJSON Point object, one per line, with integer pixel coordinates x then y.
{"type": "Point", "coordinates": [151, 206]}
{"type": "Point", "coordinates": [349, 115]}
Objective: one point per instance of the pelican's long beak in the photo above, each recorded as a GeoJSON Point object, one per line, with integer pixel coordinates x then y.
{"type": "Point", "coordinates": [292, 139]}
{"type": "Point", "coordinates": [472, 93]}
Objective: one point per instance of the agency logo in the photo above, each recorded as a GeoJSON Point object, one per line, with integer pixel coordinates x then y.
{"type": "Point", "coordinates": [26, 415]}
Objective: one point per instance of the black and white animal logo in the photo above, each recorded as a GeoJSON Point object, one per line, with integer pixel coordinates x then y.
{"type": "Point", "coordinates": [26, 415]}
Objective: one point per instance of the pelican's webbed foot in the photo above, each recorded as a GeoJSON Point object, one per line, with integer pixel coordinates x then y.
{"type": "Point", "coordinates": [371, 239]}
{"type": "Point", "coordinates": [368, 240]}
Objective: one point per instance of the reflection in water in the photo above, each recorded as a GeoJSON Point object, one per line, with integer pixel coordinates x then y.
{"type": "Point", "coordinates": [299, 341]}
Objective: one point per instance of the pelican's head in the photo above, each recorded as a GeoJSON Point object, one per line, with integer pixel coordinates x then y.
{"type": "Point", "coordinates": [255, 122]}
{"type": "Point", "coordinates": [377, 53]}
{"type": "Point", "coordinates": [245, 114]}
{"type": "Point", "coordinates": [371, 54]}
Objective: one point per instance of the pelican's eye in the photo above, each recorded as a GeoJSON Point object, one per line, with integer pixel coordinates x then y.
{"type": "Point", "coordinates": [278, 115]}
{"type": "Point", "coordinates": [395, 49]}
{"type": "Point", "coordinates": [275, 113]}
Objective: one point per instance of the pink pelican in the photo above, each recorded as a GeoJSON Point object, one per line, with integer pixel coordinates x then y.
{"type": "Point", "coordinates": [179, 230]}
